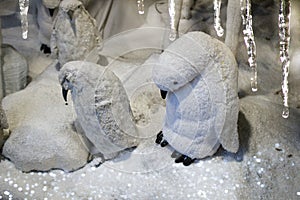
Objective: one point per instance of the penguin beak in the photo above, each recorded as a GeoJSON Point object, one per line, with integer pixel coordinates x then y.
{"type": "Point", "coordinates": [163, 94]}
{"type": "Point", "coordinates": [71, 15]}
{"type": "Point", "coordinates": [65, 94]}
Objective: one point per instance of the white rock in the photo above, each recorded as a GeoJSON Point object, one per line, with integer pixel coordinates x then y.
{"type": "Point", "coordinates": [200, 75]}
{"type": "Point", "coordinates": [42, 136]}
{"type": "Point", "coordinates": [15, 70]}
{"type": "Point", "coordinates": [275, 142]}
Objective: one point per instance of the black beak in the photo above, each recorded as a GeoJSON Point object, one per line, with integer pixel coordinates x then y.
{"type": "Point", "coordinates": [65, 94]}
{"type": "Point", "coordinates": [51, 11]}
{"type": "Point", "coordinates": [71, 15]}
{"type": "Point", "coordinates": [163, 94]}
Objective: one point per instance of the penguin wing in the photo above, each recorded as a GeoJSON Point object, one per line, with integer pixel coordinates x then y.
{"type": "Point", "coordinates": [113, 110]}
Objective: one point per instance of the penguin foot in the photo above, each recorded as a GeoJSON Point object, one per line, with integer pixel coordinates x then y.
{"type": "Point", "coordinates": [45, 49]}
{"type": "Point", "coordinates": [164, 143]}
{"type": "Point", "coordinates": [160, 140]}
{"type": "Point", "coordinates": [159, 137]}
{"type": "Point", "coordinates": [180, 159]}
{"type": "Point", "coordinates": [185, 160]}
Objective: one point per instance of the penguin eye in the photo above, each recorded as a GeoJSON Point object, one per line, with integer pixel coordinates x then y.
{"type": "Point", "coordinates": [78, 6]}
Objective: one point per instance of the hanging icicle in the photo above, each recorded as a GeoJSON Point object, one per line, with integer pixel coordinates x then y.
{"type": "Point", "coordinates": [217, 20]}
{"type": "Point", "coordinates": [284, 36]}
{"type": "Point", "coordinates": [172, 13]}
{"type": "Point", "coordinates": [249, 41]}
{"type": "Point", "coordinates": [140, 5]}
{"type": "Point", "coordinates": [24, 6]}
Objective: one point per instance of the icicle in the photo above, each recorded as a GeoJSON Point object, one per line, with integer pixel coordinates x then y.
{"type": "Point", "coordinates": [140, 5]}
{"type": "Point", "coordinates": [217, 20]}
{"type": "Point", "coordinates": [284, 35]}
{"type": "Point", "coordinates": [249, 41]}
{"type": "Point", "coordinates": [172, 13]}
{"type": "Point", "coordinates": [24, 6]}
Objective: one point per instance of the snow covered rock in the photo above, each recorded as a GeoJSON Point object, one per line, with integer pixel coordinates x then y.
{"type": "Point", "coordinates": [200, 75]}
{"type": "Point", "coordinates": [15, 70]}
{"type": "Point", "coordinates": [270, 145]}
{"type": "Point", "coordinates": [42, 134]}
{"type": "Point", "coordinates": [102, 106]}
{"type": "Point", "coordinates": [74, 32]}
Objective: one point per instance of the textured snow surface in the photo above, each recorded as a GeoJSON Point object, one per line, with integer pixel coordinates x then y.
{"type": "Point", "coordinates": [146, 173]}
{"type": "Point", "coordinates": [266, 167]}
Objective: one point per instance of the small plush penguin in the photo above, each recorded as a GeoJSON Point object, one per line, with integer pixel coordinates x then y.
{"type": "Point", "coordinates": [74, 33]}
{"type": "Point", "coordinates": [102, 107]}
{"type": "Point", "coordinates": [198, 76]}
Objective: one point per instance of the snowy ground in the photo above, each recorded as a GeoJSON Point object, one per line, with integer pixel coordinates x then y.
{"type": "Point", "coordinates": [149, 172]}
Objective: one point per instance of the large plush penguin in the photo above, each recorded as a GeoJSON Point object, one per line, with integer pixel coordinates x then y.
{"type": "Point", "coordinates": [75, 32]}
{"type": "Point", "coordinates": [198, 74]}
{"type": "Point", "coordinates": [102, 107]}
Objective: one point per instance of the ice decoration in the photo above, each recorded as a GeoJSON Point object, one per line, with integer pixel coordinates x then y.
{"type": "Point", "coordinates": [217, 20]}
{"type": "Point", "coordinates": [172, 13]}
{"type": "Point", "coordinates": [140, 5]}
{"type": "Point", "coordinates": [24, 6]}
{"type": "Point", "coordinates": [284, 35]}
{"type": "Point", "coordinates": [249, 41]}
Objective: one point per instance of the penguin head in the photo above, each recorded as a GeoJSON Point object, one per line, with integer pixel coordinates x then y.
{"type": "Point", "coordinates": [172, 71]}
{"type": "Point", "coordinates": [71, 7]}
{"type": "Point", "coordinates": [68, 79]}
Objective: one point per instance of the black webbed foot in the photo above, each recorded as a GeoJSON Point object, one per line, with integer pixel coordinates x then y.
{"type": "Point", "coordinates": [164, 143]}
{"type": "Point", "coordinates": [163, 94]}
{"type": "Point", "coordinates": [45, 49]}
{"type": "Point", "coordinates": [159, 137]}
{"type": "Point", "coordinates": [180, 159]}
{"type": "Point", "coordinates": [187, 161]}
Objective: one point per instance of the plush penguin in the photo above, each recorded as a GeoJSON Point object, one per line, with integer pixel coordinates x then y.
{"type": "Point", "coordinates": [102, 107]}
{"type": "Point", "coordinates": [44, 12]}
{"type": "Point", "coordinates": [198, 75]}
{"type": "Point", "coordinates": [74, 34]}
